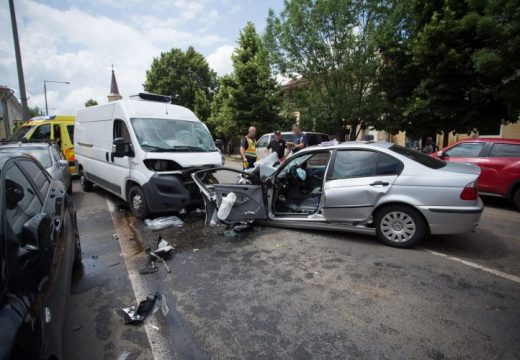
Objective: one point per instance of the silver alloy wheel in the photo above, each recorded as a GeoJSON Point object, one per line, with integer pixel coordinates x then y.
{"type": "Point", "coordinates": [137, 201]}
{"type": "Point", "coordinates": [398, 226]}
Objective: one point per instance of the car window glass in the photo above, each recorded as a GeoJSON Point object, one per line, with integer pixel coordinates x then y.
{"type": "Point", "coordinates": [22, 202]}
{"type": "Point", "coordinates": [40, 153]}
{"type": "Point", "coordinates": [319, 160]}
{"type": "Point", "coordinates": [55, 154]}
{"type": "Point", "coordinates": [121, 131]}
{"type": "Point", "coordinates": [418, 157]}
{"type": "Point", "coordinates": [312, 139]}
{"type": "Point", "coordinates": [263, 141]}
{"type": "Point", "coordinates": [465, 150]}
{"type": "Point", "coordinates": [324, 138]}
{"type": "Point", "coordinates": [354, 163]}
{"type": "Point", "coordinates": [70, 130]}
{"type": "Point", "coordinates": [387, 165]}
{"type": "Point", "coordinates": [292, 162]}
{"type": "Point", "coordinates": [37, 175]}
{"type": "Point", "coordinates": [42, 132]}
{"type": "Point", "coordinates": [505, 150]}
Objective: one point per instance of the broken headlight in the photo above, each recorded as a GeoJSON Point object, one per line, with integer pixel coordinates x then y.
{"type": "Point", "coordinates": [161, 165]}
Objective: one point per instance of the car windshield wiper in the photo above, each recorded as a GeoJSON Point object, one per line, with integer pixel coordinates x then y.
{"type": "Point", "coordinates": [153, 148]}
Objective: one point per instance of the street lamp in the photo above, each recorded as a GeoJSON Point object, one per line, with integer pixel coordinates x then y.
{"type": "Point", "coordinates": [45, 91]}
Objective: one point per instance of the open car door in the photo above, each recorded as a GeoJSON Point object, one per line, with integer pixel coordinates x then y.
{"type": "Point", "coordinates": [249, 204]}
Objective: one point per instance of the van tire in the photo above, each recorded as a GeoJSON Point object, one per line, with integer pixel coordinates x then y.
{"type": "Point", "coordinates": [137, 203]}
{"type": "Point", "coordinates": [86, 185]}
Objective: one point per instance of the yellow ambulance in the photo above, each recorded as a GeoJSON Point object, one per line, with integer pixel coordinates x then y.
{"type": "Point", "coordinates": [58, 128]}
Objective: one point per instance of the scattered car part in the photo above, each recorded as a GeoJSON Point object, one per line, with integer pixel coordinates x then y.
{"type": "Point", "coordinates": [164, 223]}
{"type": "Point", "coordinates": [226, 205]}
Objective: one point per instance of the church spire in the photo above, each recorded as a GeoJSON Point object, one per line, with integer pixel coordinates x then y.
{"type": "Point", "coordinates": [114, 91]}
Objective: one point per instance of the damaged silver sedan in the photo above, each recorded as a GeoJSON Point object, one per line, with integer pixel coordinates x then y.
{"type": "Point", "coordinates": [395, 193]}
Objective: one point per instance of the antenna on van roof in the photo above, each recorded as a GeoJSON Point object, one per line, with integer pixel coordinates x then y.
{"type": "Point", "coordinates": [143, 96]}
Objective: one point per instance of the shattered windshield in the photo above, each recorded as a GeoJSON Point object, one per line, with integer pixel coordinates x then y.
{"type": "Point", "coordinates": [168, 135]}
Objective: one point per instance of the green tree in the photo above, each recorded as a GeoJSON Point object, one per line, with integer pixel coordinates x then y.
{"type": "Point", "coordinates": [91, 102]}
{"type": "Point", "coordinates": [181, 75]}
{"type": "Point", "coordinates": [35, 111]}
{"type": "Point", "coordinates": [331, 44]}
{"type": "Point", "coordinates": [201, 105]}
{"type": "Point", "coordinates": [452, 65]}
{"type": "Point", "coordinates": [222, 120]}
{"type": "Point", "coordinates": [254, 92]}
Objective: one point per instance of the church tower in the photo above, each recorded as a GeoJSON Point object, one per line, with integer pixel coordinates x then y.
{"type": "Point", "coordinates": [114, 91]}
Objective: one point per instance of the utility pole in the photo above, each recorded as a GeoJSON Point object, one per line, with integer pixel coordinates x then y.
{"type": "Point", "coordinates": [21, 80]}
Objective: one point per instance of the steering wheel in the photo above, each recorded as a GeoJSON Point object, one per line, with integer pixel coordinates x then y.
{"type": "Point", "coordinates": [296, 177]}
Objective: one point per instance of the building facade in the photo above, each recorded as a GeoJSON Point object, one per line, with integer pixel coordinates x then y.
{"type": "Point", "coordinates": [10, 112]}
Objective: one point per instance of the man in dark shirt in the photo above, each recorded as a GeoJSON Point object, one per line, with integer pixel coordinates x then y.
{"type": "Point", "coordinates": [300, 140]}
{"type": "Point", "coordinates": [277, 145]}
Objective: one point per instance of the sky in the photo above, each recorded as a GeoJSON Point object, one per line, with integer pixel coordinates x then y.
{"type": "Point", "coordinates": [79, 40]}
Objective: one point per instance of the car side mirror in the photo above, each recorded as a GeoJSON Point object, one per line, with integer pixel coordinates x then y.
{"type": "Point", "coordinates": [63, 163]}
{"type": "Point", "coordinates": [440, 154]}
{"type": "Point", "coordinates": [120, 148]}
{"type": "Point", "coordinates": [37, 233]}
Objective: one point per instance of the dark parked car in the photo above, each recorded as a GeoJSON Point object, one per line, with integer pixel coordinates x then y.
{"type": "Point", "coordinates": [39, 246]}
{"type": "Point", "coordinates": [48, 154]}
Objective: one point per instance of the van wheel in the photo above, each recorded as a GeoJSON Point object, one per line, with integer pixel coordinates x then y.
{"type": "Point", "coordinates": [137, 202]}
{"type": "Point", "coordinates": [86, 185]}
{"type": "Point", "coordinates": [399, 226]}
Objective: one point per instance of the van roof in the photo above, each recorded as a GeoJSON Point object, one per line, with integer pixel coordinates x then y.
{"type": "Point", "coordinates": [149, 109]}
{"type": "Point", "coordinates": [49, 118]}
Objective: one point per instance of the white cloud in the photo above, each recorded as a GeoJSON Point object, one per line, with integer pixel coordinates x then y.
{"type": "Point", "coordinates": [220, 59]}
{"type": "Point", "coordinates": [76, 46]}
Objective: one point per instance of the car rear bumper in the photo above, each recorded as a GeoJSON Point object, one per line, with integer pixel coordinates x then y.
{"type": "Point", "coordinates": [452, 219]}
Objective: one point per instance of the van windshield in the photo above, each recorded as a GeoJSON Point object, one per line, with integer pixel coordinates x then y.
{"type": "Point", "coordinates": [162, 135]}
{"type": "Point", "coordinates": [20, 132]}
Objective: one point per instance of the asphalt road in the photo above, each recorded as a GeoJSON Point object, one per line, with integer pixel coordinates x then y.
{"type": "Point", "coordinates": [275, 293]}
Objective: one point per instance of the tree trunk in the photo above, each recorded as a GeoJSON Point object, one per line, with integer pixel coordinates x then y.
{"type": "Point", "coordinates": [445, 138]}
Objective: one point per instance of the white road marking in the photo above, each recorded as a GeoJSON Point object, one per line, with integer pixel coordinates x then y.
{"type": "Point", "coordinates": [479, 267]}
{"type": "Point", "coordinates": [158, 343]}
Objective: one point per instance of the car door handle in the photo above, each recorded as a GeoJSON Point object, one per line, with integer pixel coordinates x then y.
{"type": "Point", "coordinates": [380, 183]}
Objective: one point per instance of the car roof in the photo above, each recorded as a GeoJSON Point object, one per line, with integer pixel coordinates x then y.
{"type": "Point", "coordinates": [4, 157]}
{"type": "Point", "coordinates": [350, 145]}
{"type": "Point", "coordinates": [49, 119]}
{"type": "Point", "coordinates": [489, 139]}
{"type": "Point", "coordinates": [23, 145]}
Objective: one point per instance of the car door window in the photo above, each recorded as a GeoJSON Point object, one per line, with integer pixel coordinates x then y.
{"type": "Point", "coordinates": [55, 154]}
{"type": "Point", "coordinates": [38, 176]}
{"type": "Point", "coordinates": [505, 150]}
{"type": "Point", "coordinates": [262, 142]}
{"type": "Point", "coordinates": [121, 131]}
{"type": "Point", "coordinates": [42, 132]}
{"type": "Point", "coordinates": [22, 200]}
{"type": "Point", "coordinates": [467, 150]}
{"type": "Point", "coordinates": [70, 130]}
{"type": "Point", "coordinates": [354, 163]}
{"type": "Point", "coordinates": [388, 165]}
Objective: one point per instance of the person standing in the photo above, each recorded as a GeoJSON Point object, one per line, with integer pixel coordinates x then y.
{"type": "Point", "coordinates": [300, 140]}
{"type": "Point", "coordinates": [428, 146]}
{"type": "Point", "coordinates": [248, 148]}
{"type": "Point", "coordinates": [277, 145]}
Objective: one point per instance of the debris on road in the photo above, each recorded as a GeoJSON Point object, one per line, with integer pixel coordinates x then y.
{"type": "Point", "coordinates": [124, 355]}
{"type": "Point", "coordinates": [115, 237]}
{"type": "Point", "coordinates": [230, 233]}
{"type": "Point", "coordinates": [95, 257]}
{"type": "Point", "coordinates": [149, 269]}
{"type": "Point", "coordinates": [195, 250]}
{"type": "Point", "coordinates": [163, 251]}
{"type": "Point", "coordinates": [164, 223]}
{"type": "Point", "coordinates": [137, 314]}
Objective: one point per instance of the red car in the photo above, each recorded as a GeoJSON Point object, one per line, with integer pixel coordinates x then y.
{"type": "Point", "coordinates": [499, 160]}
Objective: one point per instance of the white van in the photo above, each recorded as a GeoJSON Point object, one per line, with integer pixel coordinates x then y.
{"type": "Point", "coordinates": [143, 150]}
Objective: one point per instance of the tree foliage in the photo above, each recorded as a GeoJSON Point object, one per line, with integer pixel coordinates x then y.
{"type": "Point", "coordinates": [331, 44]}
{"type": "Point", "coordinates": [183, 75]}
{"type": "Point", "coordinates": [91, 102]}
{"type": "Point", "coordinates": [451, 65]}
{"type": "Point", "coordinates": [35, 111]}
{"type": "Point", "coordinates": [249, 96]}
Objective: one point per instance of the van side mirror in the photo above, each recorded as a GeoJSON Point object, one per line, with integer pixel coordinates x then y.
{"type": "Point", "coordinates": [63, 163]}
{"type": "Point", "coordinates": [120, 148]}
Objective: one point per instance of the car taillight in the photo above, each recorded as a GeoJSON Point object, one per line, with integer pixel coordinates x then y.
{"type": "Point", "coordinates": [470, 192]}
